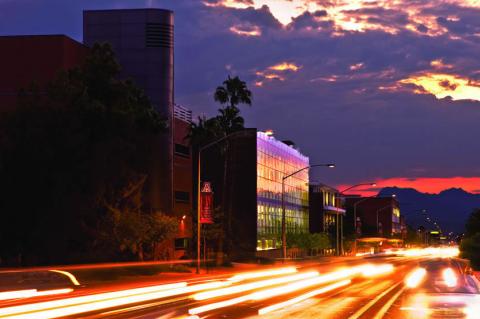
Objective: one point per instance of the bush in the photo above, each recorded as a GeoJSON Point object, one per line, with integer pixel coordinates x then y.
{"type": "Point", "coordinates": [308, 241]}
{"type": "Point", "coordinates": [470, 245]}
{"type": "Point", "coordinates": [470, 249]}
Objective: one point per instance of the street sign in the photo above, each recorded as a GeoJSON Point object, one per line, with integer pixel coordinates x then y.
{"type": "Point", "coordinates": [206, 204]}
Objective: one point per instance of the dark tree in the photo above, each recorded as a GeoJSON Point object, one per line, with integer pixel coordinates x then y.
{"type": "Point", "coordinates": [233, 92]}
{"type": "Point", "coordinates": [230, 95]}
{"type": "Point", "coordinates": [470, 245]}
{"type": "Point", "coordinates": [473, 223]}
{"type": "Point", "coordinates": [470, 249]}
{"type": "Point", "coordinates": [65, 159]}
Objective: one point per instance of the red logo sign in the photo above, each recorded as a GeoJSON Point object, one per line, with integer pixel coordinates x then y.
{"type": "Point", "coordinates": [206, 204]}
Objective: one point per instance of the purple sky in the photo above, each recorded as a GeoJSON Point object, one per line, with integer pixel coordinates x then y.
{"type": "Point", "coordinates": [389, 92]}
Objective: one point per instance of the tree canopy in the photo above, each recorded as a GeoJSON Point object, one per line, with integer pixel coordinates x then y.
{"type": "Point", "coordinates": [68, 156]}
{"type": "Point", "coordinates": [470, 245]}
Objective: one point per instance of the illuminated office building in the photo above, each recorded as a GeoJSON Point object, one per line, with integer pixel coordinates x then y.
{"type": "Point", "coordinates": [276, 159]}
{"type": "Point", "coordinates": [256, 164]}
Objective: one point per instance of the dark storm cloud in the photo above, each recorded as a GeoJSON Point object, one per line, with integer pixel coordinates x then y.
{"type": "Point", "coordinates": [344, 104]}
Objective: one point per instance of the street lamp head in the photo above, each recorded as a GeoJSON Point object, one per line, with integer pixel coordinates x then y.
{"type": "Point", "coordinates": [373, 184]}
{"type": "Point", "coordinates": [331, 165]}
{"type": "Point", "coordinates": [394, 195]}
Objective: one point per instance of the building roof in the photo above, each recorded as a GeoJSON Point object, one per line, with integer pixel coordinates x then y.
{"type": "Point", "coordinates": [281, 145]}
{"type": "Point", "coordinates": [318, 187]}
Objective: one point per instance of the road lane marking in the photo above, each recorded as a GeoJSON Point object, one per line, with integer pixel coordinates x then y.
{"type": "Point", "coordinates": [388, 304]}
{"type": "Point", "coordinates": [365, 308]}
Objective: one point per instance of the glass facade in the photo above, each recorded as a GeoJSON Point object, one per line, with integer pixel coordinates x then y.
{"type": "Point", "coordinates": [275, 159]}
{"type": "Point", "coordinates": [396, 227]}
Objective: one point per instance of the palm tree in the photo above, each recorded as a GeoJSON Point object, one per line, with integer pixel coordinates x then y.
{"type": "Point", "coordinates": [233, 92]}
{"type": "Point", "coordinates": [203, 132]}
{"type": "Point", "coordinates": [229, 120]}
{"type": "Point", "coordinates": [230, 94]}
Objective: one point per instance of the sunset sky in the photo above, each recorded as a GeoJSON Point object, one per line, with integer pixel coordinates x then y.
{"type": "Point", "coordinates": [389, 90]}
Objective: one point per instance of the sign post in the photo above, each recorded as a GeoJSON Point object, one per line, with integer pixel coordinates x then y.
{"type": "Point", "coordinates": [204, 213]}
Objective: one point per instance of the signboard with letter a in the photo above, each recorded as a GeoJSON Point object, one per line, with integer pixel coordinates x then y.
{"type": "Point", "coordinates": [206, 204]}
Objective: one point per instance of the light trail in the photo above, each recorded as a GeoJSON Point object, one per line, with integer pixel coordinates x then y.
{"type": "Point", "coordinates": [415, 278]}
{"type": "Point", "coordinates": [376, 270]}
{"type": "Point", "coordinates": [303, 297]}
{"type": "Point", "coordinates": [260, 274]}
{"type": "Point", "coordinates": [70, 276]}
{"type": "Point", "coordinates": [94, 305]}
{"type": "Point", "coordinates": [85, 299]}
{"type": "Point", "coordinates": [441, 252]}
{"type": "Point", "coordinates": [17, 294]}
{"type": "Point", "coordinates": [277, 291]}
{"type": "Point", "coordinates": [253, 285]}
{"type": "Point", "coordinates": [30, 293]}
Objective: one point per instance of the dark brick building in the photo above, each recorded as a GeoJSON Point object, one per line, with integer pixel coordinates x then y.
{"type": "Point", "coordinates": [34, 59]}
{"type": "Point", "coordinates": [182, 180]}
{"type": "Point", "coordinates": [375, 216]}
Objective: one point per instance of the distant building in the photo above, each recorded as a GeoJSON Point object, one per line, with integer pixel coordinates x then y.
{"type": "Point", "coordinates": [255, 167]}
{"type": "Point", "coordinates": [182, 179]}
{"type": "Point", "coordinates": [144, 46]}
{"type": "Point", "coordinates": [34, 59]}
{"type": "Point", "coordinates": [326, 214]}
{"type": "Point", "coordinates": [375, 216]}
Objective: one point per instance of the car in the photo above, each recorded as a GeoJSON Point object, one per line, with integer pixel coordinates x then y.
{"type": "Point", "coordinates": [442, 288]}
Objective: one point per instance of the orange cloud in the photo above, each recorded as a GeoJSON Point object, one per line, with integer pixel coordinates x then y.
{"type": "Point", "coordinates": [247, 31]}
{"type": "Point", "coordinates": [276, 72]}
{"type": "Point", "coordinates": [285, 66]}
{"type": "Point", "coordinates": [438, 64]}
{"type": "Point", "coordinates": [422, 184]}
{"type": "Point", "coordinates": [442, 85]}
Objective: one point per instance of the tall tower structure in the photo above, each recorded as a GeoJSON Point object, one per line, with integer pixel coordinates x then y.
{"type": "Point", "coordinates": [143, 42]}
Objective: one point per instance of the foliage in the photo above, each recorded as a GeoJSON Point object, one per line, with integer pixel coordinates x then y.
{"type": "Point", "coordinates": [472, 226]}
{"type": "Point", "coordinates": [413, 237]}
{"type": "Point", "coordinates": [128, 229]}
{"type": "Point", "coordinates": [230, 94]}
{"type": "Point", "coordinates": [66, 156]}
{"type": "Point", "coordinates": [470, 245]}
{"type": "Point", "coordinates": [233, 92]}
{"type": "Point", "coordinates": [470, 249]}
{"type": "Point", "coordinates": [308, 241]}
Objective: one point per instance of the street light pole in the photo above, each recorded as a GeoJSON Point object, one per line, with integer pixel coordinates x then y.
{"type": "Point", "coordinates": [200, 150]}
{"type": "Point", "coordinates": [284, 226]}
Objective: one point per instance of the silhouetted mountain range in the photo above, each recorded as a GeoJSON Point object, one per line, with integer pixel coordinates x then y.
{"type": "Point", "coordinates": [450, 208]}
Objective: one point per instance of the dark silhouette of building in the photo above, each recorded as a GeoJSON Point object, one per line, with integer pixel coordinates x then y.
{"type": "Point", "coordinates": [182, 179]}
{"type": "Point", "coordinates": [376, 216]}
{"type": "Point", "coordinates": [326, 214]}
{"type": "Point", "coordinates": [34, 60]}
{"type": "Point", "coordinates": [143, 42]}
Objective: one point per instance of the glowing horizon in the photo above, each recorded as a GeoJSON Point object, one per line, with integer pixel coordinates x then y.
{"type": "Point", "coordinates": [432, 185]}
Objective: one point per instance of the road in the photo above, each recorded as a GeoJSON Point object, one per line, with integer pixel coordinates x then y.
{"type": "Point", "coordinates": [370, 288]}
